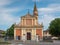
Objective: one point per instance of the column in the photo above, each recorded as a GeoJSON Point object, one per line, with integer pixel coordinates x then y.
{"type": "Point", "coordinates": [25, 22]}
{"type": "Point", "coordinates": [33, 34]}
{"type": "Point", "coordinates": [14, 34]}
{"type": "Point", "coordinates": [22, 21]}
{"type": "Point", "coordinates": [37, 38]}
{"type": "Point", "coordinates": [22, 35]}
{"type": "Point", "coordinates": [35, 21]}
{"type": "Point", "coordinates": [42, 33]}
{"type": "Point", "coordinates": [32, 21]}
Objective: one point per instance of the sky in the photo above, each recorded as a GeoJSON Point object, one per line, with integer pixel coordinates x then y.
{"type": "Point", "coordinates": [12, 10]}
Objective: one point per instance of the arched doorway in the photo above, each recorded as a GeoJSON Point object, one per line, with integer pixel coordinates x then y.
{"type": "Point", "coordinates": [28, 36]}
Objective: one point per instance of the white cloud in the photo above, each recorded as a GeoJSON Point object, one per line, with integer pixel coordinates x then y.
{"type": "Point", "coordinates": [45, 9]}
{"type": "Point", "coordinates": [8, 10]}
{"type": "Point", "coordinates": [47, 15]}
{"type": "Point", "coordinates": [46, 19]}
{"type": "Point", "coordinates": [50, 8]}
{"type": "Point", "coordinates": [6, 18]}
{"type": "Point", "coordinates": [5, 2]}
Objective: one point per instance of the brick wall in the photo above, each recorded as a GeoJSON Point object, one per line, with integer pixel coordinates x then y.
{"type": "Point", "coordinates": [39, 32]}
{"type": "Point", "coordinates": [18, 32]}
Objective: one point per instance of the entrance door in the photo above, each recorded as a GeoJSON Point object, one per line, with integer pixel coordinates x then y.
{"type": "Point", "coordinates": [28, 36]}
{"type": "Point", "coordinates": [18, 37]}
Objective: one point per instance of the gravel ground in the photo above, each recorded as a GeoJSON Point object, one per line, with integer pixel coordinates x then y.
{"type": "Point", "coordinates": [33, 43]}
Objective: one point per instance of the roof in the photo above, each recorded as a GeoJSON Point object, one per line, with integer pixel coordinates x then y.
{"type": "Point", "coordinates": [28, 16]}
{"type": "Point", "coordinates": [46, 30]}
{"type": "Point", "coordinates": [35, 7]}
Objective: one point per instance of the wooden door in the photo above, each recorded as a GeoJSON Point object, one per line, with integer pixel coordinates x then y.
{"type": "Point", "coordinates": [28, 36]}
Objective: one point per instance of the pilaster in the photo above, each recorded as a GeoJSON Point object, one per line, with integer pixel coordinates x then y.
{"type": "Point", "coordinates": [14, 34]}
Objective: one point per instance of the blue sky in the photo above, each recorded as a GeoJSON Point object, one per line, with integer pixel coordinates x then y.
{"type": "Point", "coordinates": [12, 10]}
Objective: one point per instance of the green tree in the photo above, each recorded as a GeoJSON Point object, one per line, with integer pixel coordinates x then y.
{"type": "Point", "coordinates": [10, 31]}
{"type": "Point", "coordinates": [54, 28]}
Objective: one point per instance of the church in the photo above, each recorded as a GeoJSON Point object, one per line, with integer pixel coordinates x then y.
{"type": "Point", "coordinates": [29, 28]}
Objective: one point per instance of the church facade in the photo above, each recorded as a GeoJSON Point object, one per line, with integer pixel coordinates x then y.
{"type": "Point", "coordinates": [29, 28]}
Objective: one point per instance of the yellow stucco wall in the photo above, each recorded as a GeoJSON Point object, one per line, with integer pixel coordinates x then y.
{"type": "Point", "coordinates": [33, 34]}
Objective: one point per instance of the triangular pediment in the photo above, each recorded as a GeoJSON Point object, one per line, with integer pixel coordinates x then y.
{"type": "Point", "coordinates": [28, 16]}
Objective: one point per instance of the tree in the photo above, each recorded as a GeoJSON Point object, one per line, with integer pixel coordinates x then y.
{"type": "Point", "coordinates": [10, 31]}
{"type": "Point", "coordinates": [54, 28]}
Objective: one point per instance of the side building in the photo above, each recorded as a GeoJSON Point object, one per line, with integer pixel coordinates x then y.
{"type": "Point", "coordinates": [46, 33]}
{"type": "Point", "coordinates": [2, 35]}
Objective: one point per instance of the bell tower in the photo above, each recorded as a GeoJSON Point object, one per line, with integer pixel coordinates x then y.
{"type": "Point", "coordinates": [35, 11]}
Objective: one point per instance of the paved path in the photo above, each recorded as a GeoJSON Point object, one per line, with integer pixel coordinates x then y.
{"type": "Point", "coordinates": [36, 43]}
